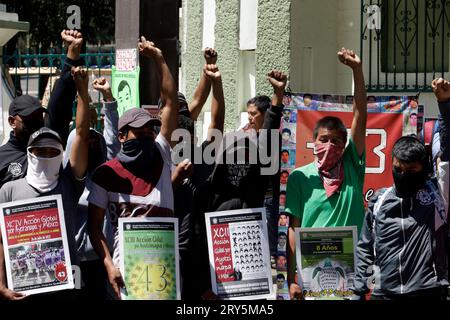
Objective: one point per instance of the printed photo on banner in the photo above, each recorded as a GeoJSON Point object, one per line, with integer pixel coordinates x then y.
{"type": "Point", "coordinates": [125, 87]}
{"type": "Point", "coordinates": [326, 260]}
{"type": "Point", "coordinates": [36, 249]}
{"type": "Point", "coordinates": [149, 258]}
{"type": "Point", "coordinates": [239, 254]}
{"type": "Point", "coordinates": [288, 157]}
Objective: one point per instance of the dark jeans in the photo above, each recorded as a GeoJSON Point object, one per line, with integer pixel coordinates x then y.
{"type": "Point", "coordinates": [96, 285]}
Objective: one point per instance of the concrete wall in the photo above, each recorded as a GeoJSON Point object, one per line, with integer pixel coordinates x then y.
{"type": "Point", "coordinates": [244, 72]}
{"type": "Point", "coordinates": [227, 44]}
{"type": "Point", "coordinates": [273, 48]}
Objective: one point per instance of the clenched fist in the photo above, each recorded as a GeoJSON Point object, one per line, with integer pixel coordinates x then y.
{"type": "Point", "coordinates": [441, 89]}
{"type": "Point", "coordinates": [278, 80]}
{"type": "Point", "coordinates": [212, 72]}
{"type": "Point", "coordinates": [210, 56]}
{"type": "Point", "coordinates": [147, 48]}
{"type": "Point", "coordinates": [349, 58]}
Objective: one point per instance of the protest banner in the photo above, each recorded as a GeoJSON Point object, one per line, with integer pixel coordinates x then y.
{"type": "Point", "coordinates": [239, 254]}
{"type": "Point", "coordinates": [149, 258]}
{"type": "Point", "coordinates": [37, 257]}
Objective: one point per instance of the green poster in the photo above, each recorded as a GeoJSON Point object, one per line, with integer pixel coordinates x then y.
{"type": "Point", "coordinates": [326, 261]}
{"type": "Point", "coordinates": [149, 258]}
{"type": "Point", "coordinates": [125, 88]}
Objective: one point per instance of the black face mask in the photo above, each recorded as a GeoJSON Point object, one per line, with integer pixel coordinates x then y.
{"type": "Point", "coordinates": [136, 154]}
{"type": "Point", "coordinates": [409, 183]}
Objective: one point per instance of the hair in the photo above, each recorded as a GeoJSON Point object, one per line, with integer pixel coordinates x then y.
{"type": "Point", "coordinates": [122, 86]}
{"type": "Point", "coordinates": [331, 123]}
{"type": "Point", "coordinates": [409, 149]}
{"type": "Point", "coordinates": [280, 276]}
{"type": "Point", "coordinates": [284, 171]}
{"type": "Point", "coordinates": [285, 151]}
{"type": "Point", "coordinates": [262, 103]}
{"type": "Point", "coordinates": [186, 123]}
{"type": "Point", "coordinates": [307, 95]}
{"type": "Point", "coordinates": [286, 130]}
{"type": "Point", "coordinates": [282, 234]}
{"type": "Point", "coordinates": [282, 193]}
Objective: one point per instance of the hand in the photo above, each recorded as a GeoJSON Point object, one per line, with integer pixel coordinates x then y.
{"type": "Point", "coordinates": [102, 85]}
{"type": "Point", "coordinates": [6, 294]}
{"type": "Point", "coordinates": [81, 79]}
{"type": "Point", "coordinates": [210, 56]}
{"type": "Point", "coordinates": [183, 171]}
{"type": "Point", "coordinates": [212, 72]}
{"type": "Point", "coordinates": [349, 58]}
{"type": "Point", "coordinates": [278, 80]}
{"type": "Point", "coordinates": [73, 40]}
{"type": "Point", "coordinates": [116, 280]}
{"type": "Point", "coordinates": [148, 49]}
{"type": "Point", "coordinates": [441, 89]}
{"type": "Point", "coordinates": [295, 292]}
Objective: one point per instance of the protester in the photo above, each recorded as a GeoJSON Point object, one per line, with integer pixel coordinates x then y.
{"type": "Point", "coordinates": [46, 177]}
{"type": "Point", "coordinates": [141, 170]}
{"type": "Point", "coordinates": [403, 241]}
{"type": "Point", "coordinates": [102, 147]}
{"type": "Point", "coordinates": [329, 191]}
{"type": "Point", "coordinates": [26, 114]}
{"type": "Point", "coordinates": [188, 179]}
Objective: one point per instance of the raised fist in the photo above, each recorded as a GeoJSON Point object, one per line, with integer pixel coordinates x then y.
{"type": "Point", "coordinates": [101, 84]}
{"type": "Point", "coordinates": [210, 56]}
{"type": "Point", "coordinates": [278, 80]}
{"type": "Point", "coordinates": [72, 38]}
{"type": "Point", "coordinates": [349, 58]}
{"type": "Point", "coordinates": [441, 89]}
{"type": "Point", "coordinates": [212, 72]}
{"type": "Point", "coordinates": [148, 48]}
{"type": "Point", "coordinates": [81, 79]}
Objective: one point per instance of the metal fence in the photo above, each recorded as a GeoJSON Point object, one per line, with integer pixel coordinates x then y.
{"type": "Point", "coordinates": [35, 73]}
{"type": "Point", "coordinates": [32, 72]}
{"type": "Point", "coordinates": [404, 43]}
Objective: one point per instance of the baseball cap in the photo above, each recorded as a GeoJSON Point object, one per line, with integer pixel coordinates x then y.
{"type": "Point", "coordinates": [44, 133]}
{"type": "Point", "coordinates": [137, 118]}
{"type": "Point", "coordinates": [24, 106]}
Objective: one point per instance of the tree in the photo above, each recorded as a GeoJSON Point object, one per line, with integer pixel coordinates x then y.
{"type": "Point", "coordinates": [47, 18]}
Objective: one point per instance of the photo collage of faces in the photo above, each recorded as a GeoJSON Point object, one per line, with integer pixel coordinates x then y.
{"type": "Point", "coordinates": [288, 157]}
{"type": "Point", "coordinates": [247, 251]}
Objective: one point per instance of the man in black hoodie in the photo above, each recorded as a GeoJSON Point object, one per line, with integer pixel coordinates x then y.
{"type": "Point", "coordinates": [26, 115]}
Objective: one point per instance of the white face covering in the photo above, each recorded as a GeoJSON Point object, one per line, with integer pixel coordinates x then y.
{"type": "Point", "coordinates": [43, 173]}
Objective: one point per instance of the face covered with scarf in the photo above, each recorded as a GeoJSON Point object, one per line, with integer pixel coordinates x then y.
{"type": "Point", "coordinates": [138, 147]}
{"type": "Point", "coordinates": [44, 163]}
{"type": "Point", "coordinates": [328, 151]}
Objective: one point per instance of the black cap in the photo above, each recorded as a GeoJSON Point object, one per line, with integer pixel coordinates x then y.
{"type": "Point", "coordinates": [24, 106]}
{"type": "Point", "coordinates": [44, 133]}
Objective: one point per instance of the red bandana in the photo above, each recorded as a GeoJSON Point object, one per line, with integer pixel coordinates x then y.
{"type": "Point", "coordinates": [330, 165]}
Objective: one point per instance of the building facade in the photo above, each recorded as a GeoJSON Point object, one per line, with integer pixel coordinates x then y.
{"type": "Point", "coordinates": [403, 44]}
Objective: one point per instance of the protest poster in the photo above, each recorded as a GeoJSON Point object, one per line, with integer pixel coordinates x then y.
{"type": "Point", "coordinates": [239, 254]}
{"type": "Point", "coordinates": [125, 87]}
{"type": "Point", "coordinates": [149, 258]}
{"type": "Point", "coordinates": [35, 245]}
{"type": "Point", "coordinates": [326, 262]}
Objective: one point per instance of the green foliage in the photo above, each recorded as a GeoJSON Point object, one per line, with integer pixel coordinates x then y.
{"type": "Point", "coordinates": [47, 18]}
